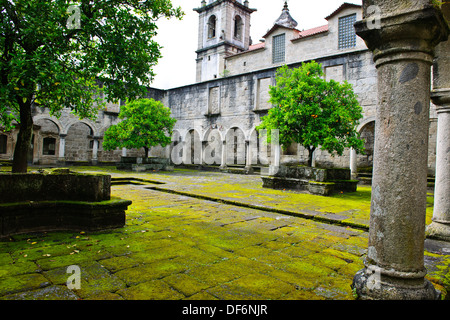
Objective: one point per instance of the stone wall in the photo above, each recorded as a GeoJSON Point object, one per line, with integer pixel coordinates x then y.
{"type": "Point", "coordinates": [240, 102]}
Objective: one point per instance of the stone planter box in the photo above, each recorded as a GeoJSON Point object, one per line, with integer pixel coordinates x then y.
{"type": "Point", "coordinates": [144, 164]}
{"type": "Point", "coordinates": [315, 180]}
{"type": "Point", "coordinates": [58, 200]}
{"type": "Point", "coordinates": [54, 185]}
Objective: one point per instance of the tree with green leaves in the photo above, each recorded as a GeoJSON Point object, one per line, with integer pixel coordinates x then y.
{"type": "Point", "coordinates": [313, 112]}
{"type": "Point", "coordinates": [145, 123]}
{"type": "Point", "coordinates": [59, 54]}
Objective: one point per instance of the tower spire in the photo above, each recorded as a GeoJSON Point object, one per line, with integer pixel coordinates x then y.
{"type": "Point", "coordinates": [285, 19]}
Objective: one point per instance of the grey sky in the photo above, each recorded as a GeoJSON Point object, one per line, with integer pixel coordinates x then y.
{"type": "Point", "coordinates": [179, 38]}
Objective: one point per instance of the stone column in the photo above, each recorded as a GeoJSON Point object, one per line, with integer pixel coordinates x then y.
{"type": "Point", "coordinates": [403, 54]}
{"type": "Point", "coordinates": [124, 152]}
{"type": "Point", "coordinates": [186, 158]}
{"type": "Point", "coordinates": [95, 152]}
{"type": "Point", "coordinates": [62, 148]}
{"type": "Point", "coordinates": [440, 227]}
{"type": "Point", "coordinates": [203, 145]}
{"type": "Point", "coordinates": [223, 164]}
{"type": "Point", "coordinates": [248, 159]}
{"type": "Point", "coordinates": [353, 163]}
{"type": "Point", "coordinates": [275, 150]}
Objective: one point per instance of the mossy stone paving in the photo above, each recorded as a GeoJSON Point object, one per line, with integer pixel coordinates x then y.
{"type": "Point", "coordinates": [177, 247]}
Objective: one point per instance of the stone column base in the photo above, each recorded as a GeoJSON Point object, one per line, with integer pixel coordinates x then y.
{"type": "Point", "coordinates": [440, 231]}
{"type": "Point", "coordinates": [368, 286]}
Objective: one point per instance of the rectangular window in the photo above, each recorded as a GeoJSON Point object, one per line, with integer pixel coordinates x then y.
{"type": "Point", "coordinates": [347, 35]}
{"type": "Point", "coordinates": [49, 145]}
{"type": "Point", "coordinates": [279, 48]}
{"type": "Point", "coordinates": [3, 144]}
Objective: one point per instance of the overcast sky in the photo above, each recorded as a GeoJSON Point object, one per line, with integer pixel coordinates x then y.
{"type": "Point", "coordinates": [179, 38]}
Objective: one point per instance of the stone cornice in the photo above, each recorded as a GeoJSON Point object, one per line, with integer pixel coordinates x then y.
{"type": "Point", "coordinates": [215, 3]}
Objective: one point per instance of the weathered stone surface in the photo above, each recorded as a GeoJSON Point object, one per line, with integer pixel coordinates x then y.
{"type": "Point", "coordinates": [315, 180]}
{"type": "Point", "coordinates": [403, 53]}
{"type": "Point", "coordinates": [54, 186]}
{"type": "Point", "coordinates": [28, 217]}
{"type": "Point", "coordinates": [440, 228]}
{"type": "Point", "coordinates": [144, 164]}
{"type": "Point", "coordinates": [58, 200]}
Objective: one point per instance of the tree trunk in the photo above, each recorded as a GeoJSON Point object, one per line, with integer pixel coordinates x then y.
{"type": "Point", "coordinates": [310, 156]}
{"type": "Point", "coordinates": [146, 152]}
{"type": "Point", "coordinates": [20, 164]}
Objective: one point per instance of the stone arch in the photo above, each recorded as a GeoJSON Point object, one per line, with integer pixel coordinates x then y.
{"type": "Point", "coordinates": [45, 143]}
{"type": "Point", "coordinates": [367, 132]}
{"type": "Point", "coordinates": [238, 27]}
{"type": "Point", "coordinates": [90, 124]}
{"type": "Point", "coordinates": [215, 130]}
{"type": "Point", "coordinates": [254, 144]}
{"type": "Point", "coordinates": [213, 143]}
{"type": "Point", "coordinates": [7, 143]}
{"type": "Point", "coordinates": [176, 147]}
{"type": "Point", "coordinates": [58, 124]}
{"type": "Point", "coordinates": [364, 122]}
{"type": "Point", "coordinates": [192, 152]}
{"type": "Point", "coordinates": [80, 141]}
{"type": "Point", "coordinates": [212, 27]}
{"type": "Point", "coordinates": [235, 143]}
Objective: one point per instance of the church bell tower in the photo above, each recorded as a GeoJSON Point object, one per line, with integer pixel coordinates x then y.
{"type": "Point", "coordinates": [224, 30]}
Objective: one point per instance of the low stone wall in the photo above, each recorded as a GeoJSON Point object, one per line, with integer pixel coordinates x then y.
{"type": "Point", "coordinates": [26, 217]}
{"type": "Point", "coordinates": [58, 200]}
{"type": "Point", "coordinates": [144, 164]}
{"type": "Point", "coordinates": [58, 184]}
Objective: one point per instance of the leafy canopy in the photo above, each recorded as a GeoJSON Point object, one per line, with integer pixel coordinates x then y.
{"type": "Point", "coordinates": [145, 123]}
{"type": "Point", "coordinates": [52, 57]}
{"type": "Point", "coordinates": [313, 112]}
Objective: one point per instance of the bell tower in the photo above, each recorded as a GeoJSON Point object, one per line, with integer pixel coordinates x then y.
{"type": "Point", "coordinates": [224, 29]}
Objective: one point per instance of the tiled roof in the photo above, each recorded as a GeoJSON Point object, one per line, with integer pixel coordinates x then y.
{"type": "Point", "coordinates": [311, 32]}
{"type": "Point", "coordinates": [257, 46]}
{"type": "Point", "coordinates": [345, 5]}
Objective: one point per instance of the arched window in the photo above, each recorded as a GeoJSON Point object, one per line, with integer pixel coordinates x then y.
{"type": "Point", "coordinates": [238, 24]}
{"type": "Point", "coordinates": [3, 144]}
{"type": "Point", "coordinates": [49, 146]}
{"type": "Point", "coordinates": [212, 27]}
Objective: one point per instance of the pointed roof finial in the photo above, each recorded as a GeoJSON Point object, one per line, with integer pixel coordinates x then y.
{"type": "Point", "coordinates": [286, 20]}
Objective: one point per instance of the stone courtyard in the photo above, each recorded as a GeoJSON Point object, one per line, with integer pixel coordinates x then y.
{"type": "Point", "coordinates": [197, 235]}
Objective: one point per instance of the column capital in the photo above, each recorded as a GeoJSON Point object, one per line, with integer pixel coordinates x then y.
{"type": "Point", "coordinates": [441, 98]}
{"type": "Point", "coordinates": [408, 35]}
